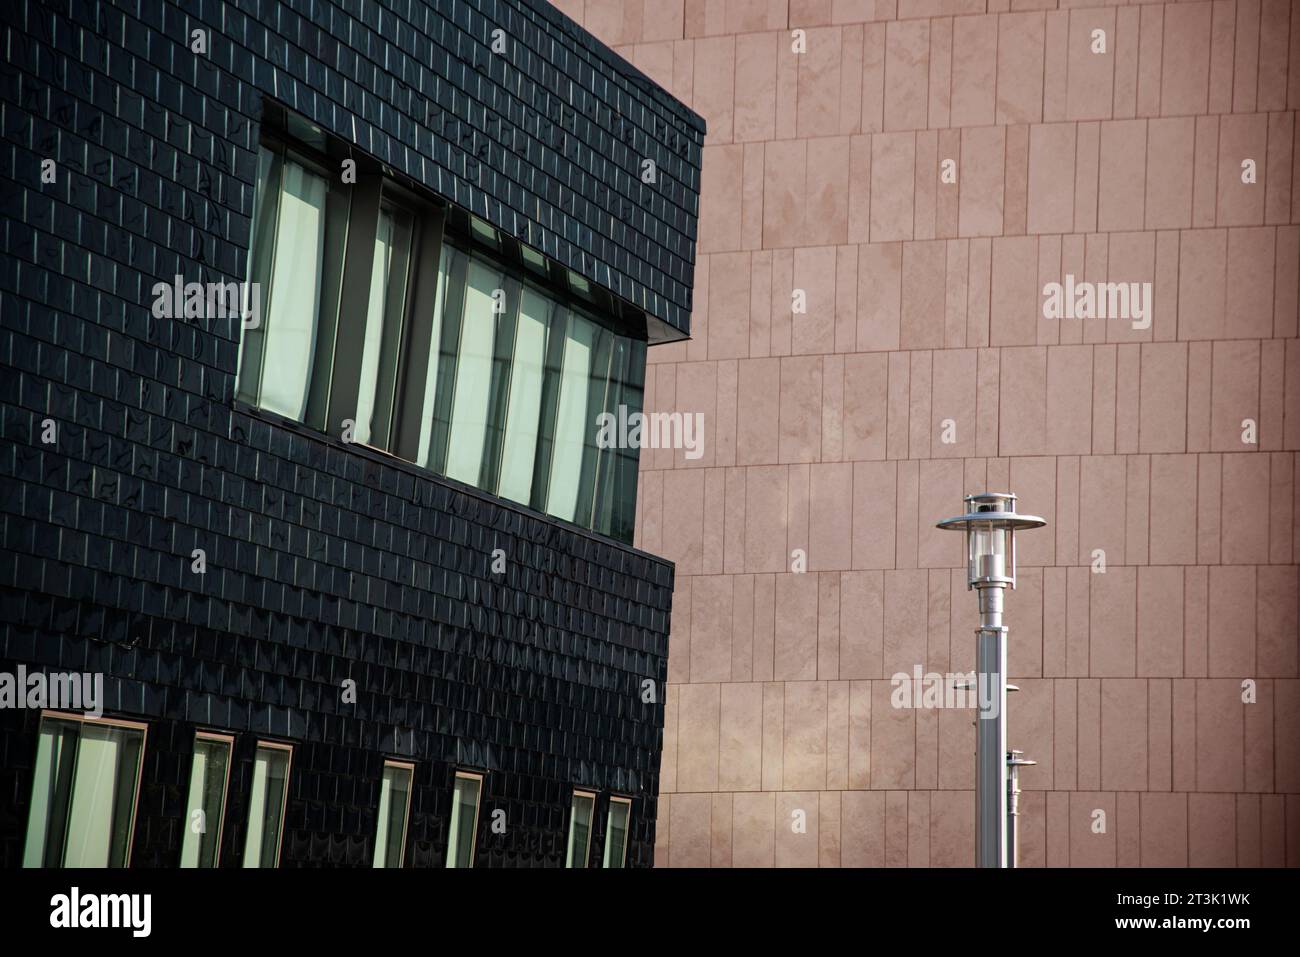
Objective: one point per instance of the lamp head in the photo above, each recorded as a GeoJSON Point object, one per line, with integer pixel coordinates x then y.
{"type": "Point", "coordinates": [990, 524]}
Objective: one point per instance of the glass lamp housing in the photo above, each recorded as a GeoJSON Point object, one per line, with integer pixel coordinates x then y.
{"type": "Point", "coordinates": [989, 556]}
{"type": "Point", "coordinates": [990, 524]}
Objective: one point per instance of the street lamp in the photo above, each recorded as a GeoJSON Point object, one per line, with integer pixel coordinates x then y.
{"type": "Point", "coordinates": [990, 524]}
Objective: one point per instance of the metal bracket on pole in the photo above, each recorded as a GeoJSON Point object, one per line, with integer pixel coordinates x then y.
{"type": "Point", "coordinates": [1014, 763]}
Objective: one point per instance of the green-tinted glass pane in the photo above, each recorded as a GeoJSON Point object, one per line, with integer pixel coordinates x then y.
{"type": "Point", "coordinates": [103, 797]}
{"type": "Point", "coordinates": [584, 806]}
{"type": "Point", "coordinates": [266, 807]}
{"type": "Point", "coordinates": [473, 374]}
{"type": "Point", "coordinates": [464, 818]}
{"type": "Point", "coordinates": [456, 265]}
{"type": "Point", "coordinates": [205, 804]}
{"type": "Point", "coordinates": [613, 439]}
{"type": "Point", "coordinates": [290, 321]}
{"type": "Point", "coordinates": [520, 447]}
{"type": "Point", "coordinates": [572, 422]}
{"type": "Point", "coordinates": [394, 801]}
{"type": "Point", "coordinates": [616, 833]}
{"type": "Point", "coordinates": [622, 517]}
{"type": "Point", "coordinates": [261, 249]}
{"type": "Point", "coordinates": [47, 819]}
{"type": "Point", "coordinates": [390, 270]}
{"type": "Point", "coordinates": [598, 392]}
{"type": "Point", "coordinates": [549, 406]}
{"type": "Point", "coordinates": [433, 363]}
{"type": "Point", "coordinates": [372, 341]}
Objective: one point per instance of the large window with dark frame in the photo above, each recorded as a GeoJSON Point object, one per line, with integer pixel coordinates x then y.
{"type": "Point", "coordinates": [379, 326]}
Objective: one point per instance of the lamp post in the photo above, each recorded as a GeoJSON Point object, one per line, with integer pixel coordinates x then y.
{"type": "Point", "coordinates": [990, 524]}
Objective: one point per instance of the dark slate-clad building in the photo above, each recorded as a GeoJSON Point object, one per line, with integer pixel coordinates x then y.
{"type": "Point", "coordinates": [313, 551]}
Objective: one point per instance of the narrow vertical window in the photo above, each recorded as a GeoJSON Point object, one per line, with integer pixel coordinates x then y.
{"type": "Point", "coordinates": [620, 813]}
{"type": "Point", "coordinates": [394, 812]}
{"type": "Point", "coordinates": [599, 393]}
{"type": "Point", "coordinates": [281, 374]}
{"type": "Point", "coordinates": [484, 296]}
{"type": "Point", "coordinates": [519, 450]}
{"type": "Point", "coordinates": [261, 250]}
{"type": "Point", "coordinates": [580, 817]}
{"type": "Point", "coordinates": [572, 423]}
{"type": "Point", "coordinates": [206, 804]}
{"type": "Point", "coordinates": [623, 510]}
{"type": "Point", "coordinates": [464, 819]}
{"type": "Point", "coordinates": [390, 272]}
{"type": "Point", "coordinates": [614, 508]}
{"type": "Point", "coordinates": [507, 323]}
{"type": "Point", "coordinates": [425, 449]}
{"type": "Point", "coordinates": [84, 792]}
{"type": "Point", "coordinates": [456, 266]}
{"type": "Point", "coordinates": [266, 805]}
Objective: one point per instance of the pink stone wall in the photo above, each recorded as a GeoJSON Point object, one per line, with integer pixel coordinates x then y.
{"type": "Point", "coordinates": [824, 430]}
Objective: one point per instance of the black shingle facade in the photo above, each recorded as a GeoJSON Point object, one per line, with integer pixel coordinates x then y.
{"type": "Point", "coordinates": [324, 561]}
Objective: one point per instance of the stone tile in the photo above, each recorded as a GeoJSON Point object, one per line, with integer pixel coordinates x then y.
{"type": "Point", "coordinates": [689, 826]}
{"type": "Point", "coordinates": [907, 52]}
{"type": "Point", "coordinates": [1121, 192]}
{"type": "Point", "coordinates": [804, 762]}
{"type": "Point", "coordinates": [1124, 734]}
{"type": "Point", "coordinates": [740, 748]}
{"type": "Point", "coordinates": [753, 830]}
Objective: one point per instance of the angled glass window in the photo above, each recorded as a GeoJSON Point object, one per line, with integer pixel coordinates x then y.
{"type": "Point", "coordinates": [376, 327]}
{"type": "Point", "coordinates": [517, 392]}
{"type": "Point", "coordinates": [394, 812]}
{"type": "Point", "coordinates": [616, 827]}
{"type": "Point", "coordinates": [206, 805]}
{"type": "Point", "coordinates": [465, 797]}
{"type": "Point", "coordinates": [84, 792]}
{"type": "Point", "coordinates": [266, 805]}
{"type": "Point", "coordinates": [580, 817]}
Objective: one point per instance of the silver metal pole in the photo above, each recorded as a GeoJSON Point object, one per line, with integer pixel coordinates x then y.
{"type": "Point", "coordinates": [991, 731]}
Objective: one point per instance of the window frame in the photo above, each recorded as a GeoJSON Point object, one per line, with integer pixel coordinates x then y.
{"type": "Point", "coordinates": [409, 767]}
{"type": "Point", "coordinates": [594, 796]}
{"type": "Point", "coordinates": [114, 722]}
{"type": "Point", "coordinates": [627, 830]}
{"type": "Point", "coordinates": [479, 777]}
{"type": "Point", "coordinates": [229, 741]}
{"type": "Point", "coordinates": [284, 799]}
{"type": "Point", "coordinates": [372, 195]}
{"type": "Point", "coordinates": [318, 164]}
